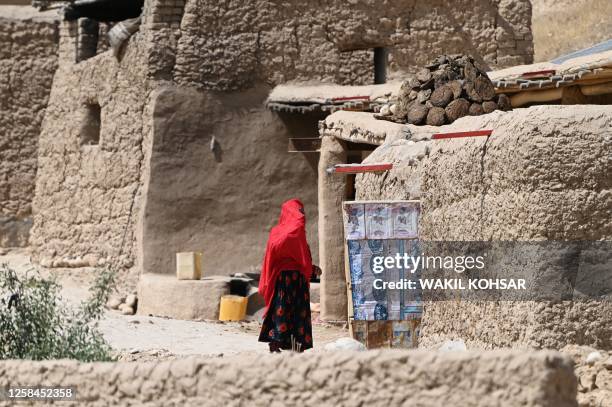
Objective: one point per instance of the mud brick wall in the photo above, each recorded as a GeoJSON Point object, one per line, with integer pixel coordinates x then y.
{"type": "Point", "coordinates": [87, 192]}
{"type": "Point", "coordinates": [217, 62]}
{"type": "Point", "coordinates": [543, 175]}
{"type": "Point", "coordinates": [161, 22]}
{"type": "Point", "coordinates": [373, 378]}
{"type": "Point", "coordinates": [233, 45]}
{"type": "Point", "coordinates": [28, 59]}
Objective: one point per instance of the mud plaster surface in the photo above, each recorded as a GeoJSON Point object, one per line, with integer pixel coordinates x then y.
{"type": "Point", "coordinates": [544, 174]}
{"type": "Point", "coordinates": [375, 378]}
{"type": "Point", "coordinates": [28, 59]}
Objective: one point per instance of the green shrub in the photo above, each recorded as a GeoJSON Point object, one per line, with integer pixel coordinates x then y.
{"type": "Point", "coordinates": [35, 323]}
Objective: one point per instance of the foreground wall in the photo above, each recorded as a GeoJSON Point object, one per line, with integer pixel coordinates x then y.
{"type": "Point", "coordinates": [544, 174]}
{"type": "Point", "coordinates": [28, 59]}
{"type": "Point", "coordinates": [388, 378]}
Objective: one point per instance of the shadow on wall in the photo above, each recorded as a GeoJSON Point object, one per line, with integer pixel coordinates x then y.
{"type": "Point", "coordinates": [221, 197]}
{"type": "Point", "coordinates": [303, 126]}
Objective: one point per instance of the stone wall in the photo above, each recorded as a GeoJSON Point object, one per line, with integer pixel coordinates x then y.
{"type": "Point", "coordinates": [544, 174]}
{"type": "Point", "coordinates": [381, 378]}
{"type": "Point", "coordinates": [28, 59]}
{"type": "Point", "coordinates": [234, 45]}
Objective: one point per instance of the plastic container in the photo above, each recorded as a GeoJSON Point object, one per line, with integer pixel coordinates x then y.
{"type": "Point", "coordinates": [232, 308]}
{"type": "Point", "coordinates": [189, 266]}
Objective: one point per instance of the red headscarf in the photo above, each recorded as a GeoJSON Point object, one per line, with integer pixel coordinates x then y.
{"type": "Point", "coordinates": [287, 248]}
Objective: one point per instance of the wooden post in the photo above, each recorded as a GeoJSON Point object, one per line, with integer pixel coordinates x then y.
{"type": "Point", "coordinates": [331, 191]}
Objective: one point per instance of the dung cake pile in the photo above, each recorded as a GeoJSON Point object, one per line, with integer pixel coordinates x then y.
{"type": "Point", "coordinates": [445, 90]}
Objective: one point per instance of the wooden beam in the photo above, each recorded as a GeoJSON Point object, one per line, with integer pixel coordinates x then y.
{"type": "Point", "coordinates": [536, 96]}
{"type": "Point", "coordinates": [359, 168]}
{"type": "Point", "coordinates": [477, 133]}
{"type": "Point", "coordinates": [304, 145]}
{"type": "Point", "coordinates": [539, 74]}
{"type": "Point", "coordinates": [349, 98]}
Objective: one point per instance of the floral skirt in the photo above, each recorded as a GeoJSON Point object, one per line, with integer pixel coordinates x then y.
{"type": "Point", "coordinates": [288, 318]}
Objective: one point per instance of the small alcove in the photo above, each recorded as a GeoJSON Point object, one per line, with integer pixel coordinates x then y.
{"type": "Point", "coordinates": [90, 127]}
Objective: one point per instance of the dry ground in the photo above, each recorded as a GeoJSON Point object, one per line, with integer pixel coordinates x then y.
{"type": "Point", "coordinates": [140, 337]}
{"type": "Point", "coordinates": [563, 26]}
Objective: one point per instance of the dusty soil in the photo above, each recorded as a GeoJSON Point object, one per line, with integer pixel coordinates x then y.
{"type": "Point", "coordinates": [563, 26]}
{"type": "Point", "coordinates": [138, 337]}
{"type": "Point", "coordinates": [141, 338]}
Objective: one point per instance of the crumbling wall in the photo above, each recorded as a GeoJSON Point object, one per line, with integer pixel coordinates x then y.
{"type": "Point", "coordinates": [544, 174]}
{"type": "Point", "coordinates": [28, 59]}
{"type": "Point", "coordinates": [87, 191]}
{"type": "Point", "coordinates": [234, 45]}
{"type": "Point", "coordinates": [374, 378]}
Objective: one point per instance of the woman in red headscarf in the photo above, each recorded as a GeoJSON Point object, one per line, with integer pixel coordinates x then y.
{"type": "Point", "coordinates": [284, 282]}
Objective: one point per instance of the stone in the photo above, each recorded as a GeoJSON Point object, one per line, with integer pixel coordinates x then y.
{"type": "Point", "coordinates": [165, 296]}
{"type": "Point", "coordinates": [430, 84]}
{"type": "Point", "coordinates": [413, 83]}
{"type": "Point", "coordinates": [423, 96]}
{"type": "Point", "coordinates": [456, 109]}
{"type": "Point", "coordinates": [457, 88]}
{"type": "Point", "coordinates": [489, 106]}
{"type": "Point", "coordinates": [126, 309]}
{"type": "Point", "coordinates": [470, 91]}
{"type": "Point", "coordinates": [436, 117]}
{"type": "Point", "coordinates": [345, 344]}
{"type": "Point", "coordinates": [484, 87]}
{"type": "Point", "coordinates": [441, 96]}
{"type": "Point", "coordinates": [114, 302]}
{"type": "Point", "coordinates": [475, 109]}
{"type": "Point", "coordinates": [424, 75]}
{"type": "Point", "coordinates": [593, 358]}
{"type": "Point", "coordinates": [503, 102]}
{"type": "Point", "coordinates": [131, 301]}
{"type": "Point", "coordinates": [470, 72]}
{"type": "Point", "coordinates": [417, 113]}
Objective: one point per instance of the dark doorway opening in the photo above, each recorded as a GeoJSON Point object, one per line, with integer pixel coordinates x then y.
{"type": "Point", "coordinates": [380, 65]}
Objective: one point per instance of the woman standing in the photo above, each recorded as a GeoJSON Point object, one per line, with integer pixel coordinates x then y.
{"type": "Point", "coordinates": [284, 282]}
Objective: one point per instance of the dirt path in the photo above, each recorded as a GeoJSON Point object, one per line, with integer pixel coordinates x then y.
{"type": "Point", "coordinates": [140, 337]}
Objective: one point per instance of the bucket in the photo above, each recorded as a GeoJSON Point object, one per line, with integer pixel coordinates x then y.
{"type": "Point", "coordinates": [232, 308]}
